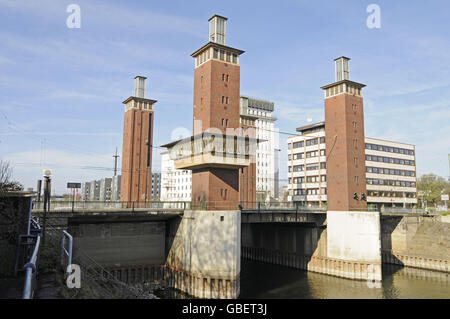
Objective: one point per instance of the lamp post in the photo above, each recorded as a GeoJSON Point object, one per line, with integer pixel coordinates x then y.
{"type": "Point", "coordinates": [47, 173]}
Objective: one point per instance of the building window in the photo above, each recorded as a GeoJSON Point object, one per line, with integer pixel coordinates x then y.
{"type": "Point", "coordinates": [234, 58]}
{"type": "Point", "coordinates": [228, 57]}
{"type": "Point", "coordinates": [216, 53]}
{"type": "Point", "coordinates": [222, 55]}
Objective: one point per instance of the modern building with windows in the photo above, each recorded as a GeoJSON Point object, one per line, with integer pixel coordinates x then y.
{"type": "Point", "coordinates": [105, 189]}
{"type": "Point", "coordinates": [156, 186]}
{"type": "Point", "coordinates": [176, 184]}
{"type": "Point", "coordinates": [261, 111]}
{"type": "Point", "coordinates": [390, 170]}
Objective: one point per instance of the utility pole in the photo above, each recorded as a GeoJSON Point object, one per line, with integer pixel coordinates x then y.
{"type": "Point", "coordinates": [115, 162]}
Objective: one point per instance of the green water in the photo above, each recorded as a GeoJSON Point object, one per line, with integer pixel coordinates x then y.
{"type": "Point", "coordinates": [259, 280]}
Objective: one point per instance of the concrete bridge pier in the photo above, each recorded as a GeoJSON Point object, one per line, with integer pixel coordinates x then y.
{"type": "Point", "coordinates": [205, 254]}
{"type": "Point", "coordinates": [354, 241]}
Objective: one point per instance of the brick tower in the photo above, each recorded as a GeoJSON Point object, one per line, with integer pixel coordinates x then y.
{"type": "Point", "coordinates": [216, 105]}
{"type": "Point", "coordinates": [344, 131]}
{"type": "Point", "coordinates": [218, 150]}
{"type": "Point", "coordinates": [137, 146]}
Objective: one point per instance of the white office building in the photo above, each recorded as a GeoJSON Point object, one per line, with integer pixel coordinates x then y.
{"type": "Point", "coordinates": [266, 168]}
{"type": "Point", "coordinates": [175, 183]}
{"type": "Point", "coordinates": [390, 170]}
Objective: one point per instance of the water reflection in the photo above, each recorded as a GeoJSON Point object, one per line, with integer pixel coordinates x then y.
{"type": "Point", "coordinates": [259, 280]}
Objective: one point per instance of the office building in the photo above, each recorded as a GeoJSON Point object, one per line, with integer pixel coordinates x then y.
{"type": "Point", "coordinates": [390, 170]}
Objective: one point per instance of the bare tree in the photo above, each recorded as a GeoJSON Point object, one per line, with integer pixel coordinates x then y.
{"type": "Point", "coordinates": [5, 172]}
{"type": "Point", "coordinates": [6, 184]}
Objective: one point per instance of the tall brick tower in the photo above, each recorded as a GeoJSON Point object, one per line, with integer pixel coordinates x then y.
{"type": "Point", "coordinates": [137, 146]}
{"type": "Point", "coordinates": [344, 131]}
{"type": "Point", "coordinates": [219, 150]}
{"type": "Point", "coordinates": [216, 105]}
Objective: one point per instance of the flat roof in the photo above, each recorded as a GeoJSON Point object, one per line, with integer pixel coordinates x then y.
{"type": "Point", "coordinates": [259, 103]}
{"type": "Point", "coordinates": [310, 126]}
{"type": "Point", "coordinates": [216, 15]}
{"type": "Point", "coordinates": [343, 81]}
{"type": "Point", "coordinates": [379, 139]}
{"type": "Point", "coordinates": [220, 46]}
{"type": "Point", "coordinates": [139, 99]}
{"type": "Point", "coordinates": [204, 134]}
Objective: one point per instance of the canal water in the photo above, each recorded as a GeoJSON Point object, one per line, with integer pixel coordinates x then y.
{"type": "Point", "coordinates": [260, 280]}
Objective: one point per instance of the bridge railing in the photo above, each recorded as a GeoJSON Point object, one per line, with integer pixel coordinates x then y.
{"type": "Point", "coordinates": [27, 256]}
{"type": "Point", "coordinates": [58, 205]}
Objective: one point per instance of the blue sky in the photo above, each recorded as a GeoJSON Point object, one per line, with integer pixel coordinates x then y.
{"type": "Point", "coordinates": [62, 89]}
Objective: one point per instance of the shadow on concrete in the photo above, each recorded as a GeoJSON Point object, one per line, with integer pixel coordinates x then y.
{"type": "Point", "coordinates": [388, 226]}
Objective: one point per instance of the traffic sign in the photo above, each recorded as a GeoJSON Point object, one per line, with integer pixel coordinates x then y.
{"type": "Point", "coordinates": [73, 185]}
{"type": "Point", "coordinates": [444, 197]}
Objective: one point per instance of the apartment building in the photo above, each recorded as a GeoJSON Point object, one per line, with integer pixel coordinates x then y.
{"type": "Point", "coordinates": [390, 170]}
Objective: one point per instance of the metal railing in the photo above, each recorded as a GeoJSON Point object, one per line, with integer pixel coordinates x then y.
{"type": "Point", "coordinates": [57, 205]}
{"type": "Point", "coordinates": [28, 255]}
{"type": "Point", "coordinates": [66, 253]}
{"type": "Point", "coordinates": [30, 272]}
{"type": "Point", "coordinates": [62, 206]}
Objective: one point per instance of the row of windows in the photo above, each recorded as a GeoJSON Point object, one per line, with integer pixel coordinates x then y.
{"type": "Point", "coordinates": [309, 142]}
{"type": "Point", "coordinates": [390, 182]}
{"type": "Point", "coordinates": [308, 154]}
{"type": "Point", "coordinates": [391, 160]}
{"type": "Point", "coordinates": [310, 191]}
{"type": "Point", "coordinates": [391, 194]}
{"type": "Point", "coordinates": [309, 179]}
{"type": "Point", "coordinates": [389, 171]}
{"type": "Point", "coordinates": [340, 89]}
{"type": "Point", "coordinates": [309, 167]}
{"type": "Point", "coordinates": [222, 55]}
{"type": "Point", "coordinates": [383, 148]}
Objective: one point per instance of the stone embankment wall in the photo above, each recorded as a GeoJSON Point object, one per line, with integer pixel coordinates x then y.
{"type": "Point", "coordinates": [416, 241]}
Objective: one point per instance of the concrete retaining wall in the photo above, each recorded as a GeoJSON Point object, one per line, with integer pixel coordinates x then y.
{"type": "Point", "coordinates": [205, 254]}
{"type": "Point", "coordinates": [121, 244]}
{"type": "Point", "coordinates": [416, 241]}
